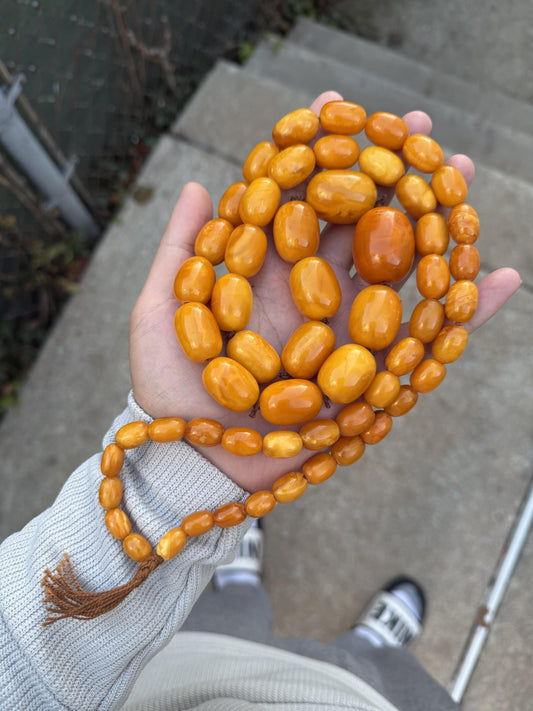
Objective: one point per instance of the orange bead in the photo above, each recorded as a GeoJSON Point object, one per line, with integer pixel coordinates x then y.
{"type": "Point", "coordinates": [166, 429]}
{"type": "Point", "coordinates": [258, 160]}
{"type": "Point", "coordinates": [282, 444]}
{"type": "Point", "coordinates": [290, 402]}
{"type": "Point", "coordinates": [229, 515]}
{"type": "Point", "coordinates": [171, 543]}
{"type": "Point", "coordinates": [379, 429]}
{"type": "Point", "coordinates": [315, 289]}
{"type": "Point", "coordinates": [298, 126]}
{"type": "Point", "coordinates": [260, 201]}
{"type": "Point", "coordinates": [231, 302]}
{"type": "Point", "coordinates": [342, 117]}
{"type": "Point", "coordinates": [291, 166]}
{"type": "Point", "coordinates": [383, 390]}
{"type": "Point", "coordinates": [387, 130]}
{"type": "Point", "coordinates": [335, 152]}
{"type": "Point", "coordinates": [428, 375]}
{"type": "Point", "coordinates": [319, 434]}
{"type": "Point", "coordinates": [431, 234]}
{"type": "Point", "coordinates": [289, 487]}
{"type": "Point", "coordinates": [228, 207]}
{"type": "Point", "coordinates": [319, 467]}
{"type": "Point", "coordinates": [426, 320]}
{"type": "Point", "coordinates": [355, 418]}
{"type": "Point", "coordinates": [341, 196]}
{"type": "Point", "coordinates": [212, 239]}
{"type": "Point", "coordinates": [406, 400]}
{"type": "Point", "coordinates": [195, 280]}
{"type": "Point", "coordinates": [110, 493]}
{"type": "Point", "coordinates": [464, 262]}
{"type": "Point", "coordinates": [449, 186]}
{"type": "Point", "coordinates": [423, 153]}
{"type": "Point", "coordinates": [307, 349]}
{"type": "Point", "coordinates": [433, 276]}
{"type": "Point", "coordinates": [118, 523]}
{"type": "Point", "coordinates": [137, 547]}
{"type": "Point", "coordinates": [245, 250]}
{"type": "Point", "coordinates": [404, 356]}
{"type": "Point", "coordinates": [242, 441]}
{"type": "Point", "coordinates": [348, 450]}
{"type": "Point", "coordinates": [256, 354]}
{"type": "Point", "coordinates": [346, 373]}
{"type": "Point", "coordinates": [416, 196]}
{"type": "Point", "coordinates": [461, 301]}
{"type": "Point", "coordinates": [450, 343]}
{"type": "Point", "coordinates": [197, 331]}
{"type": "Point", "coordinates": [464, 224]}
{"type": "Point", "coordinates": [197, 523]}
{"type": "Point", "coordinates": [296, 231]}
{"type": "Point", "coordinates": [375, 317]}
{"type": "Point", "coordinates": [204, 432]}
{"type": "Point", "coordinates": [259, 503]}
{"type": "Point", "coordinates": [112, 460]}
{"type": "Point", "coordinates": [382, 165]}
{"type": "Point", "coordinates": [132, 435]}
{"type": "Point", "coordinates": [230, 384]}
{"type": "Point", "coordinates": [383, 245]}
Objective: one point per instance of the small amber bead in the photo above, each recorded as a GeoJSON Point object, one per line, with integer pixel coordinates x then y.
{"type": "Point", "coordinates": [315, 288]}
{"type": "Point", "coordinates": [256, 354]}
{"type": "Point", "coordinates": [404, 356]}
{"type": "Point", "coordinates": [464, 262]}
{"type": "Point", "coordinates": [197, 331]}
{"type": "Point", "coordinates": [431, 234]}
{"type": "Point", "coordinates": [298, 126]}
{"type": "Point", "coordinates": [195, 280]}
{"type": "Point", "coordinates": [289, 487]}
{"type": "Point", "coordinates": [110, 493]}
{"type": "Point", "coordinates": [132, 435]}
{"type": "Point", "coordinates": [319, 467]}
{"type": "Point", "coordinates": [260, 201]}
{"type": "Point", "coordinates": [245, 250]}
{"type": "Point", "coordinates": [382, 165]}
{"type": "Point", "coordinates": [426, 320]}
{"type": "Point", "coordinates": [342, 117]}
{"type": "Point", "coordinates": [464, 224]}
{"type": "Point", "coordinates": [383, 389]}
{"type": "Point", "coordinates": [406, 400]}
{"type": "Point", "coordinates": [461, 301]}
{"type": "Point", "coordinates": [355, 418]}
{"type": "Point", "coordinates": [336, 152]}
{"type": "Point", "coordinates": [228, 207]}
{"type": "Point", "coordinates": [282, 444]}
{"type": "Point", "coordinates": [379, 429]}
{"type": "Point", "coordinates": [423, 153]}
{"type": "Point", "coordinates": [450, 343]}
{"type": "Point", "coordinates": [204, 432]}
{"type": "Point", "coordinates": [375, 317]}
{"type": "Point", "coordinates": [166, 429]}
{"type": "Point", "coordinates": [433, 276]}
{"type": "Point", "coordinates": [416, 195]}
{"type": "Point", "coordinates": [290, 402]}
{"type": "Point", "coordinates": [231, 303]}
{"type": "Point", "coordinates": [171, 543]}
{"type": "Point", "coordinates": [112, 460]}
{"type": "Point", "coordinates": [428, 375]}
{"type": "Point", "coordinates": [258, 160]}
{"type": "Point", "coordinates": [212, 239]}
{"type": "Point", "coordinates": [348, 450]}
{"type": "Point", "coordinates": [341, 196]}
{"type": "Point", "coordinates": [137, 547]}
{"type": "Point", "coordinates": [259, 503]}
{"type": "Point", "coordinates": [242, 441]}
{"type": "Point", "coordinates": [449, 186]}
{"type": "Point", "coordinates": [296, 231]}
{"type": "Point", "coordinates": [291, 166]}
{"type": "Point", "coordinates": [118, 523]}
{"type": "Point", "coordinates": [197, 523]}
{"type": "Point", "coordinates": [387, 130]}
{"type": "Point", "coordinates": [346, 373]}
{"type": "Point", "coordinates": [229, 515]}
{"type": "Point", "coordinates": [230, 384]}
{"type": "Point", "coordinates": [307, 349]}
{"type": "Point", "coordinates": [319, 434]}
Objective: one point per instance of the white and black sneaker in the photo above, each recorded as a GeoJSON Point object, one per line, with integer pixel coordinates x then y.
{"type": "Point", "coordinates": [247, 566]}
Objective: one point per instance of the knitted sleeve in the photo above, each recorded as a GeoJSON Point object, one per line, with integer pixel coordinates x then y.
{"type": "Point", "coordinates": [92, 664]}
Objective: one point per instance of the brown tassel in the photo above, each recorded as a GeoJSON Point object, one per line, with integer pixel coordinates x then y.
{"type": "Point", "coordinates": [65, 597]}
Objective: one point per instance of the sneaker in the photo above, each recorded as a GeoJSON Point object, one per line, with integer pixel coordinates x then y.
{"type": "Point", "coordinates": [247, 566]}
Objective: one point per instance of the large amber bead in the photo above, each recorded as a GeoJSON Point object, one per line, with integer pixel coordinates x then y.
{"type": "Point", "coordinates": [296, 231]}
{"type": "Point", "coordinates": [203, 432]}
{"type": "Point", "coordinates": [132, 435]}
{"type": "Point", "coordinates": [197, 332]}
{"type": "Point", "coordinates": [433, 276]}
{"type": "Point", "coordinates": [319, 434]}
{"type": "Point", "coordinates": [231, 302]}
{"type": "Point", "coordinates": [406, 400]}
{"type": "Point", "coordinates": [260, 201]}
{"type": "Point", "coordinates": [315, 289]}
{"type": "Point", "coordinates": [375, 317]}
{"type": "Point", "coordinates": [464, 224]}
{"type": "Point", "coordinates": [319, 467]}
{"type": "Point", "coordinates": [426, 320]}
{"type": "Point", "coordinates": [341, 196]}
{"type": "Point", "coordinates": [348, 450]}
{"type": "Point", "coordinates": [118, 524]}
{"type": "Point", "coordinates": [431, 234]}
{"type": "Point", "coordinates": [290, 402]}
{"type": "Point", "coordinates": [379, 429]}
{"type": "Point", "coordinates": [195, 280]}
{"type": "Point", "coordinates": [307, 349]}
{"type": "Point", "coordinates": [404, 356]}
{"type": "Point", "coordinates": [292, 165]}
{"type": "Point", "coordinates": [197, 523]}
{"type": "Point", "coordinates": [355, 418]}
{"type": "Point", "coordinates": [450, 343]}
{"type": "Point", "coordinates": [449, 186]}
{"type": "Point", "coordinates": [171, 543]}
{"type": "Point", "coordinates": [258, 160]}
{"type": "Point", "coordinates": [228, 207]}
{"type": "Point", "coordinates": [299, 126]}
{"type": "Point", "coordinates": [112, 460]}
{"type": "Point", "coordinates": [334, 152]}
{"type": "Point", "coordinates": [137, 547]}
{"type": "Point", "coordinates": [229, 515]}
{"type": "Point", "coordinates": [461, 301]}
{"type": "Point", "coordinates": [428, 375]}
{"type": "Point", "coordinates": [382, 165]}
{"type": "Point", "coordinates": [464, 262]}
{"type": "Point", "coordinates": [415, 195]}
{"type": "Point", "coordinates": [387, 130]}
{"type": "Point", "coordinates": [383, 390]}
{"type": "Point", "coordinates": [166, 429]}
{"type": "Point", "coordinates": [383, 245]}
{"type": "Point", "coordinates": [245, 250]}
{"type": "Point", "coordinates": [346, 373]}
{"type": "Point", "coordinates": [342, 117]}
{"type": "Point", "coordinates": [212, 239]}
{"type": "Point", "coordinates": [259, 503]}
{"type": "Point", "coordinates": [242, 441]}
{"type": "Point", "coordinates": [282, 444]}
{"type": "Point", "coordinates": [230, 384]}
{"type": "Point", "coordinates": [256, 354]}
{"type": "Point", "coordinates": [289, 487]}
{"type": "Point", "coordinates": [423, 153]}
{"type": "Point", "coordinates": [110, 492]}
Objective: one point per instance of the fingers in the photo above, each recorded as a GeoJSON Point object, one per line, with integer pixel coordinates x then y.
{"type": "Point", "coordinates": [494, 290]}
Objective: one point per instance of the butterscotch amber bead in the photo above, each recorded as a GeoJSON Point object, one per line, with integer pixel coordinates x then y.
{"type": "Point", "coordinates": [423, 153]}
{"type": "Point", "coordinates": [110, 493]}
{"type": "Point", "coordinates": [450, 343]}
{"type": "Point", "coordinates": [406, 400]}
{"type": "Point", "coordinates": [355, 418]}
{"type": "Point", "coordinates": [112, 460]}
{"type": "Point", "coordinates": [336, 152]}
{"type": "Point", "coordinates": [382, 165]}
{"type": "Point", "coordinates": [229, 515]}
{"type": "Point", "coordinates": [464, 262]}
{"type": "Point", "coordinates": [387, 130]}
{"type": "Point", "coordinates": [260, 201]}
{"type": "Point", "coordinates": [298, 126]}
{"type": "Point", "coordinates": [319, 434]}
{"type": "Point", "coordinates": [416, 195]}
{"type": "Point", "coordinates": [204, 432]}
{"type": "Point", "coordinates": [197, 331]}
{"type": "Point", "coordinates": [307, 349]}
{"type": "Point", "coordinates": [212, 239]}
{"type": "Point", "coordinates": [426, 320]}
{"type": "Point", "coordinates": [461, 301]}
{"type": "Point", "coordinates": [296, 231]}
{"type": "Point", "coordinates": [404, 356]}
{"type": "Point", "coordinates": [228, 207]}
{"type": "Point", "coordinates": [282, 444]}
{"type": "Point", "coordinates": [379, 429]}
{"type": "Point", "coordinates": [137, 547]}
{"type": "Point", "coordinates": [449, 186]}
{"type": "Point", "coordinates": [342, 117]}
{"type": "Point", "coordinates": [290, 402]}
{"type": "Point", "coordinates": [166, 429]}
{"type": "Point", "coordinates": [242, 441]}
{"type": "Point", "coordinates": [245, 250]}
{"type": "Point", "coordinates": [231, 302]}
{"type": "Point", "coordinates": [195, 280]}
{"type": "Point", "coordinates": [292, 165]}
{"type": "Point", "coordinates": [171, 543]}
{"type": "Point", "coordinates": [433, 276]}
{"type": "Point", "coordinates": [132, 435]}
{"type": "Point", "coordinates": [341, 196]}
{"type": "Point", "coordinates": [259, 503]}
{"type": "Point", "coordinates": [319, 467]}
{"type": "Point", "coordinates": [230, 384]}
{"type": "Point", "coordinates": [258, 160]}
{"type": "Point", "coordinates": [383, 390]}
{"type": "Point", "coordinates": [464, 224]}
{"type": "Point", "coordinates": [346, 373]}
{"type": "Point", "coordinates": [428, 375]}
{"type": "Point", "coordinates": [197, 523]}
{"type": "Point", "coordinates": [348, 450]}
{"type": "Point", "coordinates": [256, 354]}
{"type": "Point", "coordinates": [375, 317]}
{"type": "Point", "coordinates": [315, 288]}
{"type": "Point", "coordinates": [118, 523]}
{"type": "Point", "coordinates": [431, 234]}
{"type": "Point", "coordinates": [289, 487]}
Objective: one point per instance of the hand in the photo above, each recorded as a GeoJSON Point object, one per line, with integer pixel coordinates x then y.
{"type": "Point", "coordinates": [166, 383]}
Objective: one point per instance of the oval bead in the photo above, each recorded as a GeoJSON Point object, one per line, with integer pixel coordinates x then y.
{"type": "Point", "coordinates": [242, 441]}
{"type": "Point", "coordinates": [231, 302]}
{"type": "Point", "coordinates": [387, 130]}
{"type": "Point", "coordinates": [110, 493]}
{"type": "Point", "coordinates": [383, 245]}
{"type": "Point", "coordinates": [346, 373]}
{"type": "Point", "coordinates": [299, 126]}
{"type": "Point", "coordinates": [258, 160]}
{"type": "Point", "coordinates": [336, 152]}
{"type": "Point", "coordinates": [292, 165]}
{"type": "Point", "coordinates": [166, 429]}
{"type": "Point", "coordinates": [433, 276]}
{"type": "Point", "coordinates": [415, 195]}
{"type": "Point", "coordinates": [290, 402]}
{"type": "Point", "coordinates": [381, 164]}
{"type": "Point", "coordinates": [171, 543]}
{"type": "Point", "coordinates": [342, 117]}
{"type": "Point", "coordinates": [282, 444]}
{"type": "Point", "coordinates": [132, 435]}
{"type": "Point", "coordinates": [423, 153]}
{"type": "Point", "coordinates": [319, 434]}
{"type": "Point", "coordinates": [112, 460]}
{"type": "Point", "coordinates": [450, 343]}
{"type": "Point", "coordinates": [319, 467]}
{"type": "Point", "coordinates": [355, 418]}
{"type": "Point", "coordinates": [461, 301]}
{"type": "Point", "coordinates": [375, 317]}
{"type": "Point", "coordinates": [197, 523]}
{"type": "Point", "coordinates": [228, 207]}
{"type": "Point", "coordinates": [259, 503]}
{"type": "Point", "coordinates": [197, 331]}
{"type": "Point", "coordinates": [341, 196]}
{"type": "Point", "coordinates": [212, 239]}
{"type": "Point", "coordinates": [117, 523]}
{"type": "Point", "coordinates": [406, 400]}
{"type": "Point", "coordinates": [260, 201]}
{"type": "Point", "coordinates": [195, 280]}
{"type": "Point", "coordinates": [449, 186]}
{"type": "Point", "coordinates": [379, 429]}
{"type": "Point", "coordinates": [404, 356]}
{"type": "Point", "coordinates": [315, 289]}
{"type": "Point", "coordinates": [137, 547]}
{"type": "Point", "coordinates": [431, 234]}
{"type": "Point", "coordinates": [289, 487]}
{"type": "Point", "coordinates": [204, 432]}
{"type": "Point", "coordinates": [464, 224]}
{"type": "Point", "coordinates": [427, 376]}
{"type": "Point", "coordinates": [464, 262]}
{"type": "Point", "coordinates": [307, 349]}
{"type": "Point", "coordinates": [229, 515]}
{"type": "Point", "coordinates": [256, 354]}
{"type": "Point", "coordinates": [246, 250]}
{"type": "Point", "coordinates": [296, 231]}
{"type": "Point", "coordinates": [383, 390]}
{"type": "Point", "coordinates": [230, 384]}
{"type": "Point", "coordinates": [426, 320]}
{"type": "Point", "coordinates": [348, 450]}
